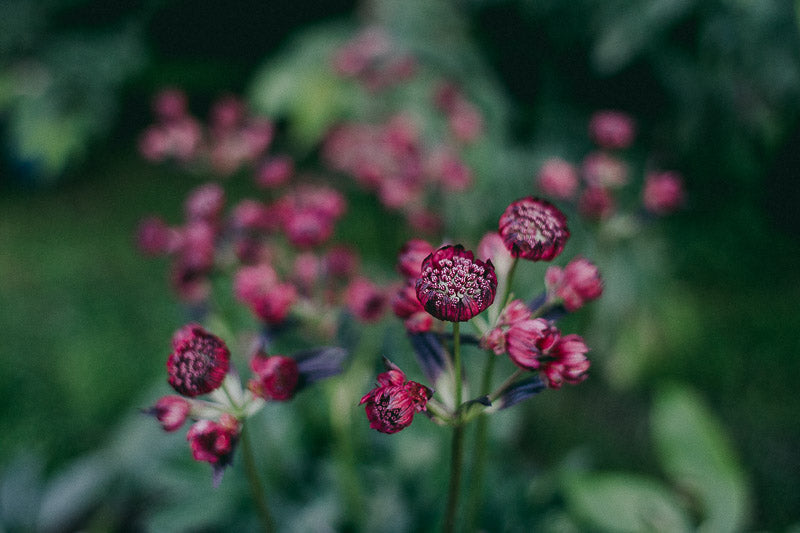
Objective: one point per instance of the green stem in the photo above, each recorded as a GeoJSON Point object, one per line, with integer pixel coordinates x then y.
{"type": "Point", "coordinates": [506, 384]}
{"type": "Point", "coordinates": [480, 451]}
{"type": "Point", "coordinates": [509, 279]}
{"type": "Point", "coordinates": [257, 490]}
{"type": "Point", "coordinates": [457, 445]}
{"type": "Point", "coordinates": [456, 459]}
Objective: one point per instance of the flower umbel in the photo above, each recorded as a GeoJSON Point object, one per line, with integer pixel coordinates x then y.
{"type": "Point", "coordinates": [533, 229]}
{"type": "Point", "coordinates": [454, 286]}
{"type": "Point", "coordinates": [198, 362]}
{"type": "Point", "coordinates": [391, 405]}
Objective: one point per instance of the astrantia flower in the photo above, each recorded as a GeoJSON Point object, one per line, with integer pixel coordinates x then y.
{"type": "Point", "coordinates": [533, 229]}
{"type": "Point", "coordinates": [495, 339]}
{"type": "Point", "coordinates": [406, 306]}
{"type": "Point", "coordinates": [663, 192]}
{"type": "Point", "coordinates": [365, 300]}
{"type": "Point", "coordinates": [171, 411]}
{"type": "Point", "coordinates": [577, 283]}
{"type": "Point", "coordinates": [391, 405]}
{"type": "Point", "coordinates": [558, 178]}
{"type": "Point", "coordinates": [612, 129]}
{"type": "Point", "coordinates": [529, 342]}
{"type": "Point", "coordinates": [409, 260]}
{"type": "Point", "coordinates": [198, 362]}
{"type": "Point", "coordinates": [277, 377]}
{"type": "Point", "coordinates": [214, 442]}
{"type": "Point", "coordinates": [454, 286]}
{"type": "Point", "coordinates": [567, 362]}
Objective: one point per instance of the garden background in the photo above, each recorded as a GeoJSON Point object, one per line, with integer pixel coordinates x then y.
{"type": "Point", "coordinates": [698, 325]}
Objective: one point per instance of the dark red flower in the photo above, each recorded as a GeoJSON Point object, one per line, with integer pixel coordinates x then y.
{"type": "Point", "coordinates": [454, 286]}
{"type": "Point", "coordinates": [533, 229]}
{"type": "Point", "coordinates": [567, 362]}
{"type": "Point", "coordinates": [198, 362]}
{"type": "Point", "coordinates": [529, 341]}
{"type": "Point", "coordinates": [171, 411]}
{"type": "Point", "coordinates": [214, 442]}
{"type": "Point", "coordinates": [277, 377]}
{"type": "Point", "coordinates": [391, 405]}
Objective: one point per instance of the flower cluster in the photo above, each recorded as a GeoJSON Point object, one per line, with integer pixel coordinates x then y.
{"type": "Point", "coordinates": [373, 60]}
{"type": "Point", "coordinates": [199, 365]}
{"type": "Point", "coordinates": [595, 183]}
{"type": "Point", "coordinates": [450, 284]}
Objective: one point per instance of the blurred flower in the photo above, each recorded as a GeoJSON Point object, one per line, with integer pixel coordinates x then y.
{"type": "Point", "coordinates": [275, 171]}
{"type": "Point", "coordinates": [205, 203]}
{"type": "Point", "coordinates": [277, 377]}
{"type": "Point", "coordinates": [410, 257]}
{"type": "Point", "coordinates": [214, 442]}
{"type": "Point", "coordinates": [198, 362]}
{"type": "Point", "coordinates": [373, 59]}
{"type": "Point", "coordinates": [170, 104]}
{"type": "Point", "coordinates": [558, 179]}
{"type": "Point", "coordinates": [309, 213]}
{"type": "Point", "coordinates": [447, 168]}
{"type": "Point", "coordinates": [568, 362]}
{"type": "Point", "coordinates": [663, 192]}
{"type": "Point", "coordinates": [491, 247]}
{"type": "Point", "coordinates": [340, 262]}
{"type": "Point", "coordinates": [365, 300]}
{"type": "Point", "coordinates": [154, 237]}
{"type": "Point", "coordinates": [596, 203]}
{"type": "Point", "coordinates": [533, 229]}
{"type": "Point", "coordinates": [454, 286]}
{"type": "Point", "coordinates": [406, 306]}
{"type": "Point", "coordinates": [577, 283]}
{"type": "Point", "coordinates": [171, 411]}
{"type": "Point", "coordinates": [391, 405]}
{"type": "Point", "coordinates": [612, 129]}
{"type": "Point", "coordinates": [273, 305]}
{"type": "Point", "coordinates": [601, 169]}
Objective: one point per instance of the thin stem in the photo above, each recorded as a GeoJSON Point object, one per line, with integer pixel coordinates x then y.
{"type": "Point", "coordinates": [506, 384]}
{"type": "Point", "coordinates": [456, 459]}
{"type": "Point", "coordinates": [480, 451]}
{"type": "Point", "coordinates": [509, 279]}
{"type": "Point", "coordinates": [257, 490]}
{"type": "Point", "coordinates": [457, 445]}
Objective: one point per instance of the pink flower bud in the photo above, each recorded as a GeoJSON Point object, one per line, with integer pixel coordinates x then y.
{"type": "Point", "coordinates": [275, 172]}
{"type": "Point", "coordinates": [171, 411]}
{"type": "Point", "coordinates": [205, 202]}
{"type": "Point", "coordinates": [596, 203]}
{"type": "Point", "coordinates": [663, 192]}
{"type": "Point", "coordinates": [273, 306]}
{"type": "Point", "coordinates": [601, 169]}
{"type": "Point", "coordinates": [558, 178]}
{"type": "Point", "coordinates": [568, 362]}
{"type": "Point", "coordinates": [154, 237]}
{"type": "Point", "coordinates": [170, 104]}
{"type": "Point", "coordinates": [214, 442]}
{"type": "Point", "coordinates": [612, 129]}
{"type": "Point", "coordinates": [579, 282]}
{"type": "Point", "coordinates": [391, 405]}
{"type": "Point", "coordinates": [277, 377]}
{"type": "Point", "coordinates": [365, 300]}
{"type": "Point", "coordinates": [529, 342]}
{"type": "Point", "coordinates": [409, 259]}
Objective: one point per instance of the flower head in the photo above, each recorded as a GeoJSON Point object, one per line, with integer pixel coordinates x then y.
{"type": "Point", "coordinates": [558, 178]}
{"type": "Point", "coordinates": [198, 362]}
{"type": "Point", "coordinates": [391, 405]}
{"type": "Point", "coordinates": [214, 442]}
{"type": "Point", "coordinates": [171, 411]}
{"type": "Point", "coordinates": [663, 192]}
{"type": "Point", "coordinates": [454, 286]}
{"type": "Point", "coordinates": [529, 341]}
{"type": "Point", "coordinates": [577, 283]}
{"type": "Point", "coordinates": [612, 129]}
{"type": "Point", "coordinates": [409, 260]}
{"type": "Point", "coordinates": [568, 362]}
{"type": "Point", "coordinates": [533, 229]}
{"type": "Point", "coordinates": [365, 300]}
{"type": "Point", "coordinates": [277, 377]}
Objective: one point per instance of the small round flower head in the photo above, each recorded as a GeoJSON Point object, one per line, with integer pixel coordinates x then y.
{"type": "Point", "coordinates": [391, 405]}
{"type": "Point", "coordinates": [277, 377]}
{"type": "Point", "coordinates": [533, 229]}
{"type": "Point", "coordinates": [558, 178]}
{"type": "Point", "coordinates": [409, 260]}
{"type": "Point", "coordinates": [612, 129]}
{"type": "Point", "coordinates": [567, 362]}
{"type": "Point", "coordinates": [454, 286]}
{"type": "Point", "coordinates": [663, 192]}
{"type": "Point", "coordinates": [171, 411]}
{"type": "Point", "coordinates": [214, 442]}
{"type": "Point", "coordinates": [170, 104]}
{"type": "Point", "coordinates": [205, 202]}
{"type": "Point", "coordinates": [273, 305]}
{"type": "Point", "coordinates": [601, 169]}
{"type": "Point", "coordinates": [275, 171]}
{"type": "Point", "coordinates": [198, 362]}
{"type": "Point", "coordinates": [154, 237]}
{"type": "Point", "coordinates": [529, 342]}
{"type": "Point", "coordinates": [577, 283]}
{"type": "Point", "coordinates": [596, 203]}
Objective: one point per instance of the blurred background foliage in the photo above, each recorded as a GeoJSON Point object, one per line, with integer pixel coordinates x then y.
{"type": "Point", "coordinates": [691, 412]}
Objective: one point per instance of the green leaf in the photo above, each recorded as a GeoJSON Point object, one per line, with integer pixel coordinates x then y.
{"type": "Point", "coordinates": [625, 503]}
{"type": "Point", "coordinates": [698, 457]}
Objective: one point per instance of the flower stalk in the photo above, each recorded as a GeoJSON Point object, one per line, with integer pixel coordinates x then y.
{"type": "Point", "coordinates": [256, 488]}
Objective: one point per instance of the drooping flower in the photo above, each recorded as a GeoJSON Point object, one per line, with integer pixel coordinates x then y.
{"type": "Point", "coordinates": [612, 129]}
{"type": "Point", "coordinates": [529, 341]}
{"type": "Point", "coordinates": [409, 260]}
{"type": "Point", "coordinates": [214, 442]}
{"type": "Point", "coordinates": [495, 339]}
{"type": "Point", "coordinates": [392, 404]}
{"type": "Point", "coordinates": [663, 192]}
{"type": "Point", "coordinates": [567, 362]}
{"type": "Point", "coordinates": [198, 362]}
{"type": "Point", "coordinates": [277, 377]}
{"type": "Point", "coordinates": [454, 286]}
{"type": "Point", "coordinates": [171, 411]}
{"type": "Point", "coordinates": [577, 283]}
{"type": "Point", "coordinates": [533, 229]}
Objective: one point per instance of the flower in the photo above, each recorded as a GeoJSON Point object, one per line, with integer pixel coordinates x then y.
{"type": "Point", "coordinates": [596, 203]}
{"type": "Point", "coordinates": [492, 246]}
{"type": "Point", "coordinates": [601, 169]}
{"type": "Point", "coordinates": [214, 442]}
{"type": "Point", "coordinates": [406, 306]}
{"type": "Point", "coordinates": [558, 178]}
{"type": "Point", "coordinates": [663, 192]}
{"type": "Point", "coordinates": [198, 362]}
{"type": "Point", "coordinates": [273, 305]}
{"type": "Point", "coordinates": [612, 129]}
{"type": "Point", "coordinates": [533, 229]}
{"type": "Point", "coordinates": [205, 202]}
{"type": "Point", "coordinates": [454, 286]}
{"type": "Point", "coordinates": [409, 260]}
{"type": "Point", "coordinates": [391, 405]}
{"type": "Point", "coordinates": [275, 171]}
{"type": "Point", "coordinates": [577, 283]}
{"type": "Point", "coordinates": [365, 300]}
{"type": "Point", "coordinates": [529, 341]}
{"type": "Point", "coordinates": [568, 364]}
{"type": "Point", "coordinates": [171, 411]}
{"type": "Point", "coordinates": [277, 377]}
{"type": "Point", "coordinates": [495, 339]}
